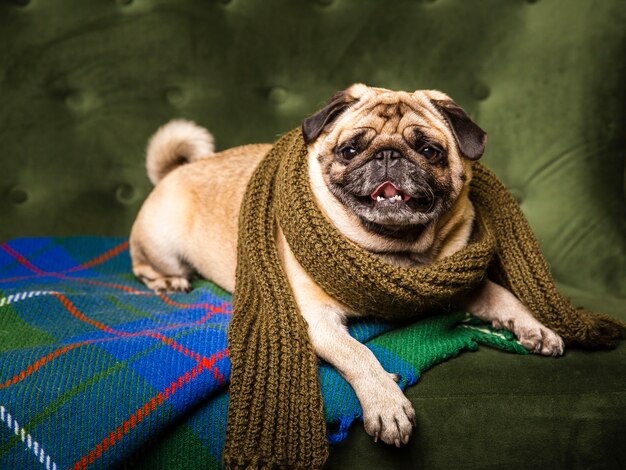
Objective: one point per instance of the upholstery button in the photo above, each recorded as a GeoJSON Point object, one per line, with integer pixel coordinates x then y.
{"type": "Point", "coordinates": [480, 91]}
{"type": "Point", "coordinates": [518, 194]}
{"type": "Point", "coordinates": [75, 100]}
{"type": "Point", "coordinates": [277, 95]}
{"type": "Point", "coordinates": [175, 96]}
{"type": "Point", "coordinates": [532, 1]}
{"type": "Point", "coordinates": [225, 2]}
{"type": "Point", "coordinates": [21, 3]}
{"type": "Point", "coordinates": [18, 195]}
{"type": "Point", "coordinates": [124, 2]}
{"type": "Point", "coordinates": [126, 194]}
{"type": "Point", "coordinates": [324, 2]}
{"type": "Point", "coordinates": [81, 100]}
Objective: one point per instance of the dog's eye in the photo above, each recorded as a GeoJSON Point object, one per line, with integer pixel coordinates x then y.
{"type": "Point", "coordinates": [429, 152]}
{"type": "Point", "coordinates": [349, 152]}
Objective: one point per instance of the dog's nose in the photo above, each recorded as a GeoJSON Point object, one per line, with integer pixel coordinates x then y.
{"type": "Point", "coordinates": [388, 158]}
{"type": "Point", "coordinates": [388, 154]}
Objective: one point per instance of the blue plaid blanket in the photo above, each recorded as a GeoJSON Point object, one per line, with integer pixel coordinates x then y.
{"type": "Point", "coordinates": [95, 368]}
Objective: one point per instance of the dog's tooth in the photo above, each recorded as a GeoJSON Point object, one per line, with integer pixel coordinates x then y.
{"type": "Point", "coordinates": [379, 198]}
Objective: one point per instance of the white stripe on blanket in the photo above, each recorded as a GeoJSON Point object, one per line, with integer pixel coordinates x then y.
{"type": "Point", "coordinates": [33, 445]}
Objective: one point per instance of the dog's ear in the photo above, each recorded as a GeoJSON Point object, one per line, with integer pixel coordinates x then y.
{"type": "Point", "coordinates": [470, 138]}
{"type": "Point", "coordinates": [313, 126]}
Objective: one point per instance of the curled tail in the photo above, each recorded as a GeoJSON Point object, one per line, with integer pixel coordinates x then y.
{"type": "Point", "coordinates": [176, 143]}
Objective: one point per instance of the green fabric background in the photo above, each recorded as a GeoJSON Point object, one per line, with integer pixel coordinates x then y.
{"type": "Point", "coordinates": [83, 84]}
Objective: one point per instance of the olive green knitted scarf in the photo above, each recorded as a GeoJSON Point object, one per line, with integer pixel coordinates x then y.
{"type": "Point", "coordinates": [275, 416]}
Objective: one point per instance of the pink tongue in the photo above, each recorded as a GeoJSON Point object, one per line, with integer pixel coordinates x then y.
{"type": "Point", "coordinates": [389, 190]}
{"type": "Point", "coordinates": [386, 190]}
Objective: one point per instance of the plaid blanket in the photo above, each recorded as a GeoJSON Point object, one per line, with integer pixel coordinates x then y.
{"type": "Point", "coordinates": [96, 370]}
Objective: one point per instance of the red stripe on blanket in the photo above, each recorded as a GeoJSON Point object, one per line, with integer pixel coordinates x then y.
{"type": "Point", "coordinates": [34, 367]}
{"type": "Point", "coordinates": [70, 307]}
{"type": "Point", "coordinates": [25, 262]}
{"type": "Point", "coordinates": [101, 326]}
{"type": "Point", "coordinates": [145, 410]}
{"type": "Point", "coordinates": [22, 260]}
{"type": "Point", "coordinates": [107, 255]}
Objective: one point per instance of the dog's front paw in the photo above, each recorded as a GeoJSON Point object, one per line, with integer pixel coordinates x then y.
{"type": "Point", "coordinates": [535, 337]}
{"type": "Point", "coordinates": [388, 415]}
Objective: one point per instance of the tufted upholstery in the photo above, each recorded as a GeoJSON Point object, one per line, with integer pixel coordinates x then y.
{"type": "Point", "coordinates": [84, 84]}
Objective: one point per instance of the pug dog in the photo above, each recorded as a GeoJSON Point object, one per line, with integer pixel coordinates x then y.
{"type": "Point", "coordinates": [390, 169]}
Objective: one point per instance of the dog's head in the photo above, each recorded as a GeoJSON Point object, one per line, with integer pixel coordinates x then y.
{"type": "Point", "coordinates": [396, 160]}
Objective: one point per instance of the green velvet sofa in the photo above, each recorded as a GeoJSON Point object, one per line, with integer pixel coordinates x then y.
{"type": "Point", "coordinates": [83, 84]}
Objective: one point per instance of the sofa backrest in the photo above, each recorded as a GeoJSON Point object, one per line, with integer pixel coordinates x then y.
{"type": "Point", "coordinates": [84, 84]}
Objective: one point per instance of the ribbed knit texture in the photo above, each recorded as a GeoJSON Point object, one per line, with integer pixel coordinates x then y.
{"type": "Point", "coordinates": [275, 414]}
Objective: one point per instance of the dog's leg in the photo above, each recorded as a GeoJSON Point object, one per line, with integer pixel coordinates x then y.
{"type": "Point", "coordinates": [387, 414]}
{"type": "Point", "coordinates": [493, 303]}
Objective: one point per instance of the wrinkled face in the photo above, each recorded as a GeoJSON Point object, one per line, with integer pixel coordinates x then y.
{"type": "Point", "coordinates": [393, 158]}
